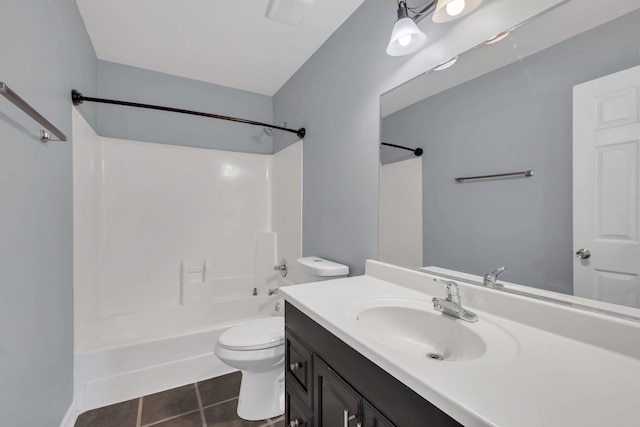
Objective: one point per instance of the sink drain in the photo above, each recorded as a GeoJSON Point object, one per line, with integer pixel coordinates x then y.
{"type": "Point", "coordinates": [435, 356]}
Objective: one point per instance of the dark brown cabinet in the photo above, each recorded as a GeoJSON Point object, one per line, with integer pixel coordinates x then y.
{"type": "Point", "coordinates": [297, 413]}
{"type": "Point", "coordinates": [329, 384]}
{"type": "Point", "coordinates": [372, 418]}
{"type": "Point", "coordinates": [336, 403]}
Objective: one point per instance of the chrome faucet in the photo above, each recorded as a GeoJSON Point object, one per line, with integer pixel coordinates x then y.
{"type": "Point", "coordinates": [490, 278]}
{"type": "Point", "coordinates": [452, 305]}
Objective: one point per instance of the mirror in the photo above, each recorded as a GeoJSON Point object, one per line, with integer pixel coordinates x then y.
{"type": "Point", "coordinates": [509, 107]}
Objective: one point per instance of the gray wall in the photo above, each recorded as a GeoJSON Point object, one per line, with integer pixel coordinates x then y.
{"type": "Point", "coordinates": [45, 53]}
{"type": "Point", "coordinates": [516, 118]}
{"type": "Point", "coordinates": [126, 83]}
{"type": "Point", "coordinates": [335, 95]}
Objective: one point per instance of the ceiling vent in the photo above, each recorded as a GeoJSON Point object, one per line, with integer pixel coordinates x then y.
{"type": "Point", "coordinates": [290, 12]}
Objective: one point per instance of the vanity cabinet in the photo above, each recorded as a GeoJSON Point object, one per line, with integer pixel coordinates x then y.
{"type": "Point", "coordinates": [329, 384]}
{"type": "Point", "coordinates": [336, 403]}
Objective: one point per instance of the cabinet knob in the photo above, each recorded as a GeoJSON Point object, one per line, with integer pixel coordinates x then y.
{"type": "Point", "coordinates": [295, 365]}
{"type": "Point", "coordinates": [294, 423]}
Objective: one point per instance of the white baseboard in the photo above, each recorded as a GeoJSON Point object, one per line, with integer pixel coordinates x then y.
{"type": "Point", "coordinates": [70, 417]}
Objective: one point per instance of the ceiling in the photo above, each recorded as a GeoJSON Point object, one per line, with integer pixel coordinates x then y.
{"type": "Point", "coordinates": [225, 42]}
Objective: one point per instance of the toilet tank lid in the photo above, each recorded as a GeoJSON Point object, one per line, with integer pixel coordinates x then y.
{"type": "Point", "coordinates": [322, 267]}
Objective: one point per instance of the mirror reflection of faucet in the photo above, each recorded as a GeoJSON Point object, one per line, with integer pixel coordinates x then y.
{"type": "Point", "coordinates": [490, 278]}
{"type": "Point", "coordinates": [452, 305]}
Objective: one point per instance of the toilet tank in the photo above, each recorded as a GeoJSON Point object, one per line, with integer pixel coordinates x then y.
{"type": "Point", "coordinates": [316, 269]}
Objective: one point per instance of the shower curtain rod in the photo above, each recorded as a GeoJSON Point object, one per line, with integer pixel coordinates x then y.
{"type": "Point", "coordinates": [77, 98]}
{"type": "Point", "coordinates": [417, 151]}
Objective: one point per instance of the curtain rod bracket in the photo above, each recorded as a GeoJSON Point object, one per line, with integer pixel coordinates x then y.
{"type": "Point", "coordinates": [416, 151]}
{"type": "Point", "coordinates": [76, 97]}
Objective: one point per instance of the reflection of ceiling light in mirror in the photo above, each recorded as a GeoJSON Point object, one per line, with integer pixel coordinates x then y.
{"type": "Point", "coordinates": [497, 37]}
{"type": "Point", "coordinates": [406, 37]}
{"type": "Point", "coordinates": [455, 7]}
{"type": "Point", "coordinates": [446, 65]}
{"type": "Point", "coordinates": [448, 10]}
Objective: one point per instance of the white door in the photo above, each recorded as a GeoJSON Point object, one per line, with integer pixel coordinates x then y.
{"type": "Point", "coordinates": [606, 182]}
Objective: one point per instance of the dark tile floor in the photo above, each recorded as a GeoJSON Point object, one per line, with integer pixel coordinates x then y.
{"type": "Point", "coordinates": [205, 404]}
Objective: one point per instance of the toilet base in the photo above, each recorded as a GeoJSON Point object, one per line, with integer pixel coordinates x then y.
{"type": "Point", "coordinates": [261, 395]}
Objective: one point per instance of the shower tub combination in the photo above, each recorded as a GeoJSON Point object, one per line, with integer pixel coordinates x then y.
{"type": "Point", "coordinates": [169, 244]}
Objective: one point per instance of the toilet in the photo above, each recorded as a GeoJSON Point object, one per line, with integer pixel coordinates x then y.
{"type": "Point", "coordinates": [257, 349]}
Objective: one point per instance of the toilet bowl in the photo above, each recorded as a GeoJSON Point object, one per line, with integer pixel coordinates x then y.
{"type": "Point", "coordinates": [257, 349]}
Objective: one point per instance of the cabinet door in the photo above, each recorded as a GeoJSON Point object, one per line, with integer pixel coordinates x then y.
{"type": "Point", "coordinates": [336, 403]}
{"type": "Point", "coordinates": [298, 363]}
{"type": "Point", "coordinates": [372, 418]}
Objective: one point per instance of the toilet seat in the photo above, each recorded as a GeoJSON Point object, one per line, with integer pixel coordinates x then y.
{"type": "Point", "coordinates": [254, 335]}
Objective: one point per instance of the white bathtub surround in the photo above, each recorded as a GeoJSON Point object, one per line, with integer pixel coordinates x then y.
{"type": "Point", "coordinates": [169, 244]}
{"type": "Point", "coordinates": [401, 213]}
{"type": "Point", "coordinates": [177, 349]}
{"type": "Point", "coordinates": [196, 283]}
{"type": "Point", "coordinates": [568, 367]}
{"type": "Point", "coordinates": [69, 419]}
{"type": "Point", "coordinates": [265, 258]}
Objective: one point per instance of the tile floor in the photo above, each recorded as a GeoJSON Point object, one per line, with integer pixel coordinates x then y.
{"type": "Point", "coordinates": [204, 404]}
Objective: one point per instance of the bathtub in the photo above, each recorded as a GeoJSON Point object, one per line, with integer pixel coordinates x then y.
{"type": "Point", "coordinates": [142, 353]}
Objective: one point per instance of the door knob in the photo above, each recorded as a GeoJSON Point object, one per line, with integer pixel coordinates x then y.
{"type": "Point", "coordinates": [583, 254]}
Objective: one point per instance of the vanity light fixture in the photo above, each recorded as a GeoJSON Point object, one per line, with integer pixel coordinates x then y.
{"type": "Point", "coordinates": [448, 10]}
{"type": "Point", "coordinates": [497, 37]}
{"type": "Point", "coordinates": [406, 37]}
{"type": "Point", "coordinates": [446, 65]}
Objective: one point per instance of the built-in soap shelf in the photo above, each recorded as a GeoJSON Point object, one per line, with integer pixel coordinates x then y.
{"type": "Point", "coordinates": [196, 283]}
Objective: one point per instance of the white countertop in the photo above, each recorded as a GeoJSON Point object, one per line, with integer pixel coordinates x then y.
{"type": "Point", "coordinates": [551, 380]}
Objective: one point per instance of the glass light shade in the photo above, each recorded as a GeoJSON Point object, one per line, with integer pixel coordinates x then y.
{"type": "Point", "coordinates": [406, 38]}
{"type": "Point", "coordinates": [446, 65]}
{"type": "Point", "coordinates": [441, 15]}
{"type": "Point", "coordinates": [498, 37]}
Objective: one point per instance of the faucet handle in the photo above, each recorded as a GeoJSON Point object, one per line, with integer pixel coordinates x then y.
{"type": "Point", "coordinates": [490, 278]}
{"type": "Point", "coordinates": [496, 272]}
{"type": "Point", "coordinates": [452, 287]}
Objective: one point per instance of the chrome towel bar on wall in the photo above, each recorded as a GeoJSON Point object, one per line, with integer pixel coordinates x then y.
{"type": "Point", "coordinates": [526, 174]}
{"type": "Point", "coordinates": [45, 135]}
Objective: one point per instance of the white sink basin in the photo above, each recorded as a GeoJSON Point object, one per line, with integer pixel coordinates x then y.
{"type": "Point", "coordinates": [413, 327]}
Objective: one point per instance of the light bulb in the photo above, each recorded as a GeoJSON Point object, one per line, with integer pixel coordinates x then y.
{"type": "Point", "coordinates": [404, 40]}
{"type": "Point", "coordinates": [455, 7]}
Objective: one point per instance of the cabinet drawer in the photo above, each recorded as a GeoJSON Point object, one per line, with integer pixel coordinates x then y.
{"type": "Point", "coordinates": [297, 413]}
{"type": "Point", "coordinates": [298, 362]}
